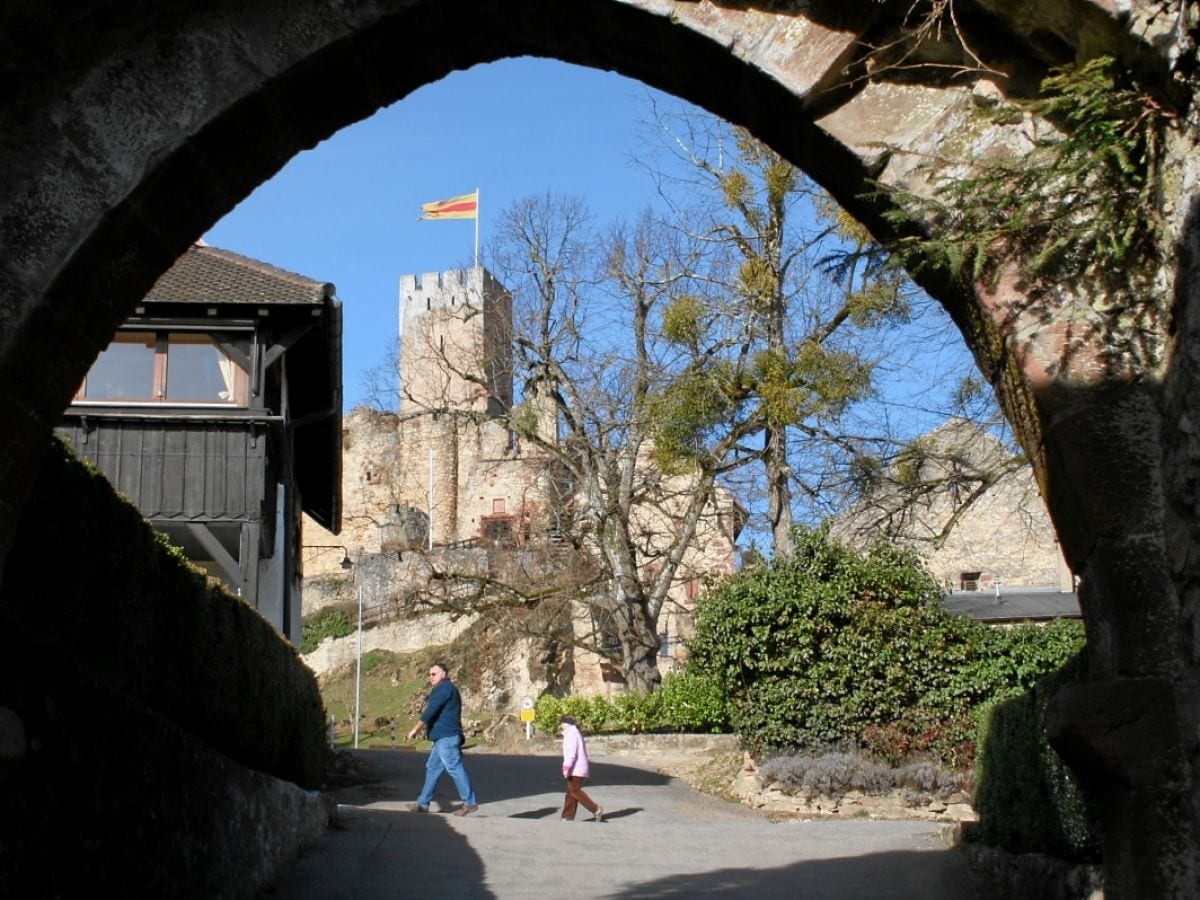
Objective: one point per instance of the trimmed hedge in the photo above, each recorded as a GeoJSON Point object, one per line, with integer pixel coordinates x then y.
{"type": "Point", "coordinates": [134, 614]}
{"type": "Point", "coordinates": [1027, 799]}
{"type": "Point", "coordinates": [686, 702]}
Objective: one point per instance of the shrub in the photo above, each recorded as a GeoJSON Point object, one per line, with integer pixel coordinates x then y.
{"type": "Point", "coordinates": [592, 713]}
{"type": "Point", "coordinates": [546, 713]}
{"type": "Point", "coordinates": [327, 622]}
{"type": "Point", "coordinates": [686, 702]}
{"type": "Point", "coordinates": [693, 702]}
{"type": "Point", "coordinates": [923, 732]}
{"type": "Point", "coordinates": [1027, 799]}
{"type": "Point", "coordinates": [830, 645]}
{"type": "Point", "coordinates": [638, 713]}
{"type": "Point", "coordinates": [833, 774]}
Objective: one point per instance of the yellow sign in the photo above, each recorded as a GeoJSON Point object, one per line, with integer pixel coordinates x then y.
{"type": "Point", "coordinates": [528, 715]}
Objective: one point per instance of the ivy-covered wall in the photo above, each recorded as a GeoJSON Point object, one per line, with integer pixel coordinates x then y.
{"type": "Point", "coordinates": [137, 699]}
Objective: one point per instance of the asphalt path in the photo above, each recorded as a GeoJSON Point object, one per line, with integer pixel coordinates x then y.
{"type": "Point", "coordinates": [659, 838]}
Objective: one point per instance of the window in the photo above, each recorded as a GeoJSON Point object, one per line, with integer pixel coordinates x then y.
{"type": "Point", "coordinates": [126, 370]}
{"type": "Point", "coordinates": [165, 367]}
{"type": "Point", "coordinates": [498, 530]}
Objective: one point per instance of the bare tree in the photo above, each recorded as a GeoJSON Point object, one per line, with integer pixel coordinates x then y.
{"type": "Point", "coordinates": [599, 381]}
{"type": "Point", "coordinates": [832, 318]}
{"type": "Point", "coordinates": [660, 363]}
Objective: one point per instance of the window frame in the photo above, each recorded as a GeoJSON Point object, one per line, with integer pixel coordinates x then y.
{"type": "Point", "coordinates": [162, 333]}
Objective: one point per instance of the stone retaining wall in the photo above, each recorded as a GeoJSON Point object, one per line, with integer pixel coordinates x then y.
{"type": "Point", "coordinates": [665, 744]}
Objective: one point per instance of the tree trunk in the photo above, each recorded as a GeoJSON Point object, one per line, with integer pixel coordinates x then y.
{"type": "Point", "coordinates": [779, 491]}
{"type": "Point", "coordinates": [638, 632]}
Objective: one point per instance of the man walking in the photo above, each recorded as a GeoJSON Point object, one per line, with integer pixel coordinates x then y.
{"type": "Point", "coordinates": [442, 721]}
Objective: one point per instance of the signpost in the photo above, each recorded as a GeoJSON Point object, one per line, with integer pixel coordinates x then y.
{"type": "Point", "coordinates": [528, 714]}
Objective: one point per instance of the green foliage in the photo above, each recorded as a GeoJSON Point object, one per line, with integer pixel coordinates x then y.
{"type": "Point", "coordinates": [590, 712]}
{"type": "Point", "coordinates": [328, 622]}
{"type": "Point", "coordinates": [524, 419]}
{"type": "Point", "coordinates": [686, 702]}
{"type": "Point", "coordinates": [831, 646]}
{"type": "Point", "coordinates": [878, 301]}
{"type": "Point", "coordinates": [683, 320]}
{"type": "Point", "coordinates": [372, 660]}
{"type": "Point", "coordinates": [831, 379]}
{"type": "Point", "coordinates": [392, 685]}
{"type": "Point", "coordinates": [1077, 202]}
{"type": "Point", "coordinates": [682, 416]}
{"type": "Point", "coordinates": [167, 546]}
{"type": "Point", "coordinates": [692, 702]}
{"type": "Point", "coordinates": [758, 282]}
{"type": "Point", "coordinates": [1027, 799]}
{"type": "Point", "coordinates": [635, 713]}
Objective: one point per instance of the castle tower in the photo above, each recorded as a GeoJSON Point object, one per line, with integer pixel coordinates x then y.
{"type": "Point", "coordinates": [455, 332]}
{"type": "Point", "coordinates": [459, 463]}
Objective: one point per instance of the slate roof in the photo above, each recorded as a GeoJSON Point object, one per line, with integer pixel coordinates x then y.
{"type": "Point", "coordinates": [209, 276]}
{"type": "Point", "coordinates": [1014, 605]}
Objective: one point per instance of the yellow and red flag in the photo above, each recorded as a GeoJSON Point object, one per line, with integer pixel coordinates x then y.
{"type": "Point", "coordinates": [464, 207]}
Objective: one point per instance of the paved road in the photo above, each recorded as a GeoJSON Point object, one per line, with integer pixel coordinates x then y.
{"type": "Point", "coordinates": [661, 838]}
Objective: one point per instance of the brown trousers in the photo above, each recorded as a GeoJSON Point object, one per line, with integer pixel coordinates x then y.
{"type": "Point", "coordinates": [575, 796]}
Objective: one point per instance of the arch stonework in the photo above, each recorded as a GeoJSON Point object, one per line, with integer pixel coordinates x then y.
{"type": "Point", "coordinates": [130, 127]}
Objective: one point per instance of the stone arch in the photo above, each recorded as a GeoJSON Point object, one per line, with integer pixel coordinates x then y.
{"type": "Point", "coordinates": [162, 129]}
{"type": "Point", "coordinates": [130, 127]}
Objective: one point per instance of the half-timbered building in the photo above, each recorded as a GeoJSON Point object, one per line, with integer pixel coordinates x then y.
{"type": "Point", "coordinates": [217, 410]}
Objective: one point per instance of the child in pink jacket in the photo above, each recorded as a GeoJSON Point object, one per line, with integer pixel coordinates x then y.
{"type": "Point", "coordinates": [575, 771]}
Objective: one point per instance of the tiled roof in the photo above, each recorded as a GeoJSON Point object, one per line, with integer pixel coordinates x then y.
{"type": "Point", "coordinates": [210, 275]}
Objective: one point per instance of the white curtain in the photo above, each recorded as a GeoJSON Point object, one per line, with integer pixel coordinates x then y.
{"type": "Point", "coordinates": [228, 373]}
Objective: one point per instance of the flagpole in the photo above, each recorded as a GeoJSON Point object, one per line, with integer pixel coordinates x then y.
{"type": "Point", "coordinates": [477, 228]}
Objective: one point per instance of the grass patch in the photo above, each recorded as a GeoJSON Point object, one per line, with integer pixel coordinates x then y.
{"type": "Point", "coordinates": [393, 685]}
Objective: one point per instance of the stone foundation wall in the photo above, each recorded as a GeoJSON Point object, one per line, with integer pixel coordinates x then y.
{"type": "Point", "coordinates": [404, 636]}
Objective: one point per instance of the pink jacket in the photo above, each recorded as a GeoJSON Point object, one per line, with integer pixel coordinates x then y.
{"type": "Point", "coordinates": [575, 758]}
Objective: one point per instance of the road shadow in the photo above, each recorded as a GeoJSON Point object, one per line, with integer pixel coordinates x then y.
{"type": "Point", "coordinates": [374, 853]}
{"type": "Point", "coordinates": [610, 814]}
{"type": "Point", "coordinates": [896, 875]}
{"type": "Point", "coordinates": [370, 776]}
{"type": "Point", "coordinates": [544, 813]}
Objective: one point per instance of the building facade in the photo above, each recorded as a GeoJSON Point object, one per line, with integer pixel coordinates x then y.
{"type": "Point", "coordinates": [1001, 538]}
{"type": "Point", "coordinates": [216, 409]}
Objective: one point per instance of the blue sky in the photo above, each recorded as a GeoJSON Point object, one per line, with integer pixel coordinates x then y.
{"type": "Point", "coordinates": [347, 211]}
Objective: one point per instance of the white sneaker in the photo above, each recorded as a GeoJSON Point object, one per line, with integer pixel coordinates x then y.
{"type": "Point", "coordinates": [598, 815]}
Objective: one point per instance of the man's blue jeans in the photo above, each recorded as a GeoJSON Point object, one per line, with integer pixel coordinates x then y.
{"type": "Point", "coordinates": [445, 756]}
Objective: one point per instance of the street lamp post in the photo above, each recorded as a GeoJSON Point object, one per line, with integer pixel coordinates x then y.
{"type": "Point", "coordinates": [358, 658]}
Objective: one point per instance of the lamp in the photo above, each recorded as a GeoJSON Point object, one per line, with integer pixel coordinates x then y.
{"type": "Point", "coordinates": [347, 563]}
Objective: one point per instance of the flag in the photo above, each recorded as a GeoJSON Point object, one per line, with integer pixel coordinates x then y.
{"type": "Point", "coordinates": [464, 207]}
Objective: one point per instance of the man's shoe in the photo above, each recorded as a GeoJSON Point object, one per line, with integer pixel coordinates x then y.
{"type": "Point", "coordinates": [417, 807]}
{"type": "Point", "coordinates": [598, 815]}
{"type": "Point", "coordinates": [466, 810]}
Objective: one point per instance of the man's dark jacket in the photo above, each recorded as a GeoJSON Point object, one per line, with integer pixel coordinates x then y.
{"type": "Point", "coordinates": [443, 712]}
